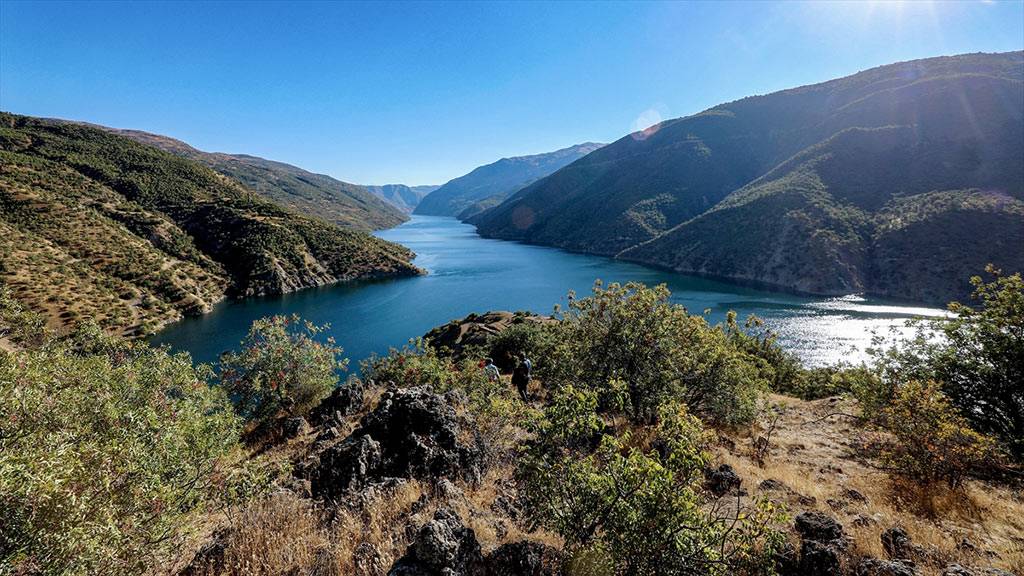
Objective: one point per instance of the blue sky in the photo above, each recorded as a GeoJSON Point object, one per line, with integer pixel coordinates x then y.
{"type": "Point", "coordinates": [421, 92]}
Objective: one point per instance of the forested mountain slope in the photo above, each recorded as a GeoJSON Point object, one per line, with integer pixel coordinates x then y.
{"type": "Point", "coordinates": [347, 205]}
{"type": "Point", "coordinates": [491, 184]}
{"type": "Point", "coordinates": [96, 225]}
{"type": "Point", "coordinates": [897, 181]}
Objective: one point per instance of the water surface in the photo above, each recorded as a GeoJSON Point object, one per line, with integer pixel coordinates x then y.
{"type": "Point", "coordinates": [468, 273]}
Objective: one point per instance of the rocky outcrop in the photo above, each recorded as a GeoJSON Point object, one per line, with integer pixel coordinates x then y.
{"type": "Point", "coordinates": [412, 433]}
{"type": "Point", "coordinates": [445, 546]}
{"type": "Point", "coordinates": [474, 330]}
{"type": "Point", "coordinates": [822, 544]}
{"type": "Point", "coordinates": [343, 401]}
{"type": "Point", "coordinates": [877, 567]}
{"type": "Point", "coordinates": [722, 480]}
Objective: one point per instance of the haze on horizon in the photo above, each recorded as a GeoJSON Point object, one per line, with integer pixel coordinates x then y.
{"type": "Point", "coordinates": [419, 93]}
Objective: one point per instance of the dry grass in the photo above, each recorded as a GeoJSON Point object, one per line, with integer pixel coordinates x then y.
{"type": "Point", "coordinates": [817, 461]}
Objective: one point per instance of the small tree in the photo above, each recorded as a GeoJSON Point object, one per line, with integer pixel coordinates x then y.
{"type": "Point", "coordinates": [281, 367]}
{"type": "Point", "coordinates": [978, 358]}
{"type": "Point", "coordinates": [932, 443]}
{"type": "Point", "coordinates": [633, 335]}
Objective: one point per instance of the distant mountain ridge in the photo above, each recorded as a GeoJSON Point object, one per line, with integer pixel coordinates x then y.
{"type": "Point", "coordinates": [347, 205]}
{"type": "Point", "coordinates": [902, 181]}
{"type": "Point", "coordinates": [403, 197]}
{"type": "Point", "coordinates": [97, 226]}
{"type": "Point", "coordinates": [489, 185]}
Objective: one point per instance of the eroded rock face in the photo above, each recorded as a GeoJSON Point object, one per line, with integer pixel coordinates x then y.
{"type": "Point", "coordinates": [412, 433]}
{"type": "Point", "coordinates": [443, 546]}
{"type": "Point", "coordinates": [897, 543]}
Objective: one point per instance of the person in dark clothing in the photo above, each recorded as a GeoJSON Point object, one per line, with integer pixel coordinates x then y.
{"type": "Point", "coordinates": [521, 380]}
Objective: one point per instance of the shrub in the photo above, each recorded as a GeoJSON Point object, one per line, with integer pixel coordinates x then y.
{"type": "Point", "coordinates": [106, 449]}
{"type": "Point", "coordinates": [978, 357]}
{"type": "Point", "coordinates": [633, 335]}
{"type": "Point", "coordinates": [536, 339]}
{"type": "Point", "coordinates": [281, 367]}
{"type": "Point", "coordinates": [932, 443]}
{"type": "Point", "coordinates": [636, 508]}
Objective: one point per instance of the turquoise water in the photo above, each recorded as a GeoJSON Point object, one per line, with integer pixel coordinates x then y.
{"type": "Point", "coordinates": [472, 274]}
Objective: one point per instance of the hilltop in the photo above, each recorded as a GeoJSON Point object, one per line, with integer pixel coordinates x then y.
{"type": "Point", "coordinates": [97, 226]}
{"type": "Point", "coordinates": [347, 205]}
{"type": "Point", "coordinates": [897, 181]}
{"type": "Point", "coordinates": [489, 185]}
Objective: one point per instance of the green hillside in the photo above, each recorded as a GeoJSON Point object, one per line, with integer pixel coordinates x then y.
{"type": "Point", "coordinates": [95, 225]}
{"type": "Point", "coordinates": [494, 182]}
{"type": "Point", "coordinates": [897, 181]}
{"type": "Point", "coordinates": [347, 205]}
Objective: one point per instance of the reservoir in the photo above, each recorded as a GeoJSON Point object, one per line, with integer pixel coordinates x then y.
{"type": "Point", "coordinates": [467, 273]}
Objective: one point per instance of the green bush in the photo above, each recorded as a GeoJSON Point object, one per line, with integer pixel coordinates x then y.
{"type": "Point", "coordinates": [632, 335]}
{"type": "Point", "coordinates": [535, 339]}
{"type": "Point", "coordinates": [106, 449]}
{"type": "Point", "coordinates": [977, 354]}
{"type": "Point", "coordinates": [281, 367]}
{"type": "Point", "coordinates": [637, 507]}
{"type": "Point", "coordinates": [932, 443]}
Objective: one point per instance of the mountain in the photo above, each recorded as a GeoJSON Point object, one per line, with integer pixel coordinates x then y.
{"type": "Point", "coordinates": [496, 181]}
{"type": "Point", "coordinates": [900, 181]}
{"type": "Point", "coordinates": [347, 205]}
{"type": "Point", "coordinates": [403, 197]}
{"type": "Point", "coordinates": [97, 225]}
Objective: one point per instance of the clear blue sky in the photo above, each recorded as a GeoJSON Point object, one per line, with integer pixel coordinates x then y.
{"type": "Point", "coordinates": [419, 93]}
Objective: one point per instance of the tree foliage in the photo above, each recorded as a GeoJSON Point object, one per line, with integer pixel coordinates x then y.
{"type": "Point", "coordinates": [281, 367]}
{"type": "Point", "coordinates": [632, 336]}
{"type": "Point", "coordinates": [106, 448]}
{"type": "Point", "coordinates": [977, 354]}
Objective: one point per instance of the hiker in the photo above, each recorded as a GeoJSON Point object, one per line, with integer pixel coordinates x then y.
{"type": "Point", "coordinates": [491, 370]}
{"type": "Point", "coordinates": [521, 379]}
{"type": "Point", "coordinates": [529, 365]}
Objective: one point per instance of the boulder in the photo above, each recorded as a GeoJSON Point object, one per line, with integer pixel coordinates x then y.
{"type": "Point", "coordinates": [896, 543]}
{"type": "Point", "coordinates": [344, 401]}
{"type": "Point", "coordinates": [524, 558]}
{"type": "Point", "coordinates": [822, 544]}
{"type": "Point", "coordinates": [878, 567]}
{"type": "Point", "coordinates": [722, 480]}
{"type": "Point", "coordinates": [412, 433]}
{"type": "Point", "coordinates": [347, 465]}
{"type": "Point", "coordinates": [294, 427]}
{"type": "Point", "coordinates": [818, 527]}
{"type": "Point", "coordinates": [443, 546]}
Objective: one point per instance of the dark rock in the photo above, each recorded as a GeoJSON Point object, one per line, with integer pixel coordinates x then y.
{"type": "Point", "coordinates": [767, 485]}
{"type": "Point", "coordinates": [897, 543]}
{"type": "Point", "coordinates": [958, 570]}
{"type": "Point", "coordinates": [855, 496]}
{"type": "Point", "coordinates": [294, 427]}
{"type": "Point", "coordinates": [863, 520]}
{"type": "Point", "coordinates": [819, 558]}
{"type": "Point", "coordinates": [347, 465]}
{"type": "Point", "coordinates": [877, 567]}
{"type": "Point", "coordinates": [210, 558]}
{"type": "Point", "coordinates": [806, 500]}
{"type": "Point", "coordinates": [442, 546]}
{"type": "Point", "coordinates": [524, 558]}
{"type": "Point", "coordinates": [344, 401]}
{"type": "Point", "coordinates": [818, 527]}
{"type": "Point", "coordinates": [722, 480]}
{"type": "Point", "coordinates": [412, 433]}
{"type": "Point", "coordinates": [787, 560]}
{"type": "Point", "coordinates": [836, 504]}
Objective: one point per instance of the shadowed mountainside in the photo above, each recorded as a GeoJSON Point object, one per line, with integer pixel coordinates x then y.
{"type": "Point", "coordinates": [896, 181]}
